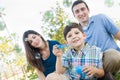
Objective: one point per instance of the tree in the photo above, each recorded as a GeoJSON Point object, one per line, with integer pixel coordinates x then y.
{"type": "Point", "coordinates": [110, 3]}
{"type": "Point", "coordinates": [2, 24]}
{"type": "Point", "coordinates": [10, 59]}
{"type": "Point", "coordinates": [54, 21]}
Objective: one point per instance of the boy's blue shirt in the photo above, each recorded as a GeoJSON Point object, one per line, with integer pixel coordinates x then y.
{"type": "Point", "coordinates": [89, 55]}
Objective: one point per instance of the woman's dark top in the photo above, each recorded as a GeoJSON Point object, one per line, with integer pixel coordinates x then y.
{"type": "Point", "coordinates": [49, 64]}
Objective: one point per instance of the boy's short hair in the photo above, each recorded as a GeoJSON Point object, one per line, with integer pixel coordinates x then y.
{"type": "Point", "coordinates": [70, 26]}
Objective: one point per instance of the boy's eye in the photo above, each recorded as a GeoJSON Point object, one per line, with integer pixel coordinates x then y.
{"type": "Point", "coordinates": [69, 36]}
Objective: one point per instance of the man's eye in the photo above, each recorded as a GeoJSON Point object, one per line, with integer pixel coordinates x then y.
{"type": "Point", "coordinates": [83, 9]}
{"type": "Point", "coordinates": [77, 11]}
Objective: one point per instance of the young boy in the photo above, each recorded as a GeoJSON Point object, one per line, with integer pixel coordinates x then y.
{"type": "Point", "coordinates": [80, 54]}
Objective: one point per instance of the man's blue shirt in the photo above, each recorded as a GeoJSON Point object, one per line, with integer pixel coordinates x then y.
{"type": "Point", "coordinates": [100, 31]}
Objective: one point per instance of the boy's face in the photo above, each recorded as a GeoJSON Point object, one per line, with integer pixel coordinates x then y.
{"type": "Point", "coordinates": [81, 13]}
{"type": "Point", "coordinates": [75, 38]}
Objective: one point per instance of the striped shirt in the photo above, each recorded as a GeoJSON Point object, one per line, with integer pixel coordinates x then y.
{"type": "Point", "coordinates": [89, 55]}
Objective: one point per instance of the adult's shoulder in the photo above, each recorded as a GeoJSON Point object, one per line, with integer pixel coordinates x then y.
{"type": "Point", "coordinates": [100, 15]}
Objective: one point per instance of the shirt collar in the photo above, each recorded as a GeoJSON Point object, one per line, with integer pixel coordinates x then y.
{"type": "Point", "coordinates": [83, 51]}
{"type": "Point", "coordinates": [91, 20]}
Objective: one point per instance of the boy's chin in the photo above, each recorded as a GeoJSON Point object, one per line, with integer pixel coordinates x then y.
{"type": "Point", "coordinates": [77, 44]}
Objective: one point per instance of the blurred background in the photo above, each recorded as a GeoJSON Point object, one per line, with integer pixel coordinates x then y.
{"type": "Point", "coordinates": [48, 17]}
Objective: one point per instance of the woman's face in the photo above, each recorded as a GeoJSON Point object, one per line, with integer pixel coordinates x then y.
{"type": "Point", "coordinates": [35, 40]}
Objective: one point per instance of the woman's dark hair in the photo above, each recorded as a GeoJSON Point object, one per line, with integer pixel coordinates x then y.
{"type": "Point", "coordinates": [79, 2]}
{"type": "Point", "coordinates": [31, 52]}
{"type": "Point", "coordinates": [70, 26]}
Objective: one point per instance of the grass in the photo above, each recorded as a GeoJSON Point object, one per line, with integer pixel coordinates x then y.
{"type": "Point", "coordinates": [117, 76]}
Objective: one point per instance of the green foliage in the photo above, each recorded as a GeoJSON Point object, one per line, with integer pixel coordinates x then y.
{"type": "Point", "coordinates": [59, 35]}
{"type": "Point", "coordinates": [17, 48]}
{"type": "Point", "coordinates": [2, 24]}
{"type": "Point", "coordinates": [31, 72]}
{"type": "Point", "coordinates": [109, 3]}
{"type": "Point", "coordinates": [54, 21]}
{"type": "Point", "coordinates": [32, 76]}
{"type": "Point", "coordinates": [48, 15]}
{"type": "Point", "coordinates": [67, 3]}
{"type": "Point", "coordinates": [11, 60]}
{"type": "Point", "coordinates": [6, 45]}
{"type": "Point", "coordinates": [117, 76]}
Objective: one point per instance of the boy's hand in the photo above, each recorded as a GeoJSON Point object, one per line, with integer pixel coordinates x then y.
{"type": "Point", "coordinates": [90, 70]}
{"type": "Point", "coordinates": [57, 52]}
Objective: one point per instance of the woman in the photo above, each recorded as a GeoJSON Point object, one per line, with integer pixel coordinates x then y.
{"type": "Point", "coordinates": [39, 53]}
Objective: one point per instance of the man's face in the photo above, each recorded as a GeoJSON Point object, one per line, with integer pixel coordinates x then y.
{"type": "Point", "coordinates": [81, 13]}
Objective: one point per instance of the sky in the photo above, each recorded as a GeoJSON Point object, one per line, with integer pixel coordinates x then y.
{"type": "Point", "coordinates": [22, 15]}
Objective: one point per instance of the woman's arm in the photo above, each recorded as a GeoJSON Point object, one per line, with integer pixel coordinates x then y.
{"type": "Point", "coordinates": [40, 74]}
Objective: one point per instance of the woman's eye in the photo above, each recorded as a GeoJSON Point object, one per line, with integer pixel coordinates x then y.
{"type": "Point", "coordinates": [30, 41]}
{"type": "Point", "coordinates": [34, 37]}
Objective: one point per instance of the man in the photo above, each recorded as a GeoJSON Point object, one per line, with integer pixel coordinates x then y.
{"type": "Point", "coordinates": [100, 31]}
